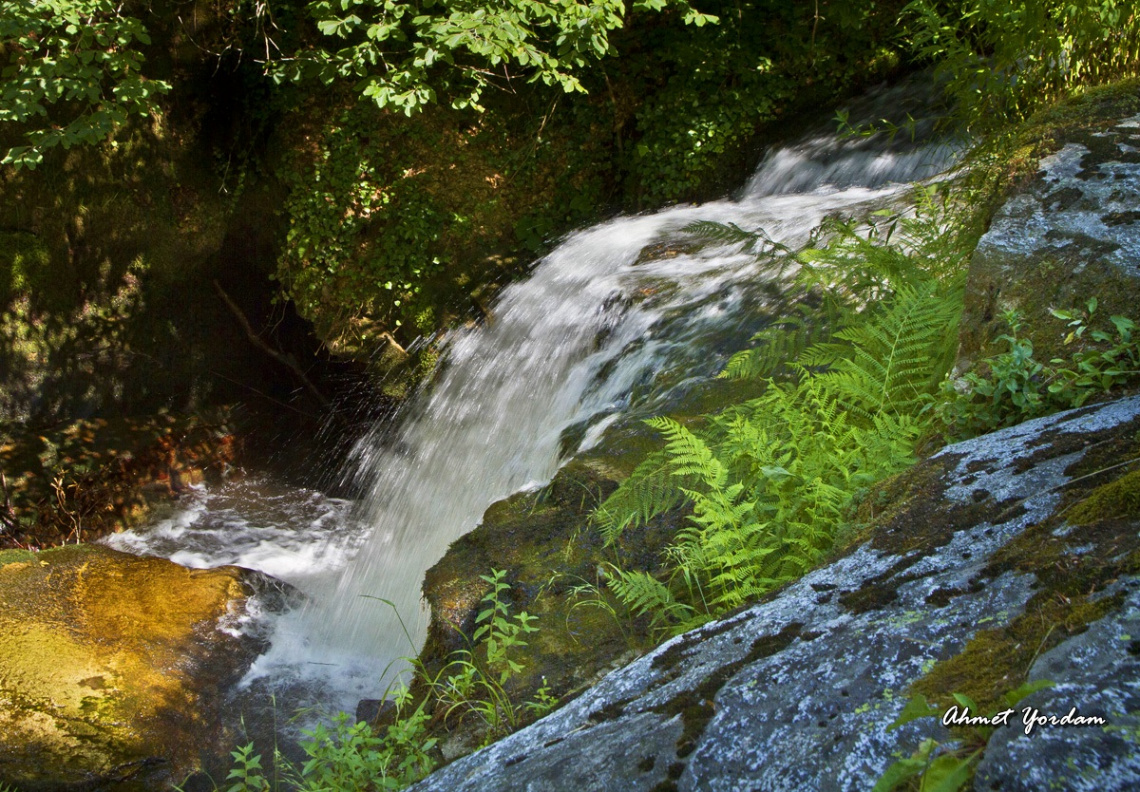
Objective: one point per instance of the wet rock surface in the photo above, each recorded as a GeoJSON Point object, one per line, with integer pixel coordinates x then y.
{"type": "Point", "coordinates": [113, 668]}
{"type": "Point", "coordinates": [970, 550]}
{"type": "Point", "coordinates": [1003, 560]}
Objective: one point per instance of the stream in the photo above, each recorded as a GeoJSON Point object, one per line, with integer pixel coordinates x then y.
{"type": "Point", "coordinates": [596, 331]}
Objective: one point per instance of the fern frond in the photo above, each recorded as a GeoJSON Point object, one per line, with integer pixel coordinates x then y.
{"type": "Point", "coordinates": [689, 455]}
{"type": "Point", "coordinates": [650, 490]}
{"type": "Point", "coordinates": [893, 355]}
{"type": "Point", "coordinates": [757, 241]}
{"type": "Point", "coordinates": [775, 347]}
{"type": "Point", "coordinates": [848, 372]}
{"type": "Point", "coordinates": [644, 594]}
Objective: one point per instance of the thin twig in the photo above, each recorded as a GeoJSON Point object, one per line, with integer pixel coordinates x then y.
{"type": "Point", "coordinates": [265, 395]}
{"type": "Point", "coordinates": [257, 341]}
{"type": "Point", "coordinates": [8, 515]}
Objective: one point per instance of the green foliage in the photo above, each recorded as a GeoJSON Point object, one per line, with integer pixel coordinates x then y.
{"type": "Point", "coordinates": [476, 680]}
{"type": "Point", "coordinates": [354, 757]}
{"type": "Point", "coordinates": [1013, 386]}
{"type": "Point", "coordinates": [770, 480]}
{"type": "Point", "coordinates": [498, 631]}
{"type": "Point", "coordinates": [71, 73]}
{"type": "Point", "coordinates": [247, 773]}
{"type": "Point", "coordinates": [885, 367]}
{"type": "Point", "coordinates": [708, 92]}
{"type": "Point", "coordinates": [650, 490]}
{"type": "Point", "coordinates": [403, 55]}
{"type": "Point", "coordinates": [937, 767]}
{"type": "Point", "coordinates": [361, 238]}
{"type": "Point", "coordinates": [680, 150]}
{"type": "Point", "coordinates": [775, 349]}
{"type": "Point", "coordinates": [1003, 59]}
{"type": "Point", "coordinates": [389, 213]}
{"type": "Point", "coordinates": [349, 757]}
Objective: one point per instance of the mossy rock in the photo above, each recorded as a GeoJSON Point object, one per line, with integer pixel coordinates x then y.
{"type": "Point", "coordinates": [113, 667]}
{"type": "Point", "coordinates": [555, 562]}
{"type": "Point", "coordinates": [1066, 234]}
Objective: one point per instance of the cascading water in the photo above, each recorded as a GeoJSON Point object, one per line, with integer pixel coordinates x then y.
{"type": "Point", "coordinates": [595, 322]}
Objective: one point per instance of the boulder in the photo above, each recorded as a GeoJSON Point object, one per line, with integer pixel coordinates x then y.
{"type": "Point", "coordinates": [1002, 560]}
{"type": "Point", "coordinates": [113, 668]}
{"type": "Point", "coordinates": [1009, 558]}
{"type": "Point", "coordinates": [1068, 234]}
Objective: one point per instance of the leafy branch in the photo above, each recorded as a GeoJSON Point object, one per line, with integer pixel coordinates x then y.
{"type": "Point", "coordinates": [402, 55]}
{"type": "Point", "coordinates": [70, 73]}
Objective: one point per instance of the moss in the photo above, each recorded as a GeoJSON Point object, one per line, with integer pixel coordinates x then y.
{"type": "Point", "coordinates": [16, 557]}
{"type": "Point", "coordinates": [1119, 499]}
{"type": "Point", "coordinates": [1089, 543]}
{"type": "Point", "coordinates": [998, 660]}
{"type": "Point", "coordinates": [1059, 277]}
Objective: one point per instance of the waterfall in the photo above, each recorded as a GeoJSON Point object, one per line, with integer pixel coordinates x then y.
{"type": "Point", "coordinates": [563, 348]}
{"type": "Point", "coordinates": [596, 322]}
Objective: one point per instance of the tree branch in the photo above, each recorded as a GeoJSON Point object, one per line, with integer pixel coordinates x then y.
{"type": "Point", "coordinates": [286, 360]}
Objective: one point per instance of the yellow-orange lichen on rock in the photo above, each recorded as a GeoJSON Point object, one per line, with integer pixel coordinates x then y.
{"type": "Point", "coordinates": [111, 666]}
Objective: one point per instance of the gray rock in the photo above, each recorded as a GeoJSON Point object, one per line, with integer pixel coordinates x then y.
{"type": "Point", "coordinates": [1097, 674]}
{"type": "Point", "coordinates": [1069, 235]}
{"type": "Point", "coordinates": [797, 692]}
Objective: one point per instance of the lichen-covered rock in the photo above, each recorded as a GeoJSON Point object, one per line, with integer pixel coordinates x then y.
{"type": "Point", "coordinates": [980, 564]}
{"type": "Point", "coordinates": [113, 667]}
{"type": "Point", "coordinates": [1095, 671]}
{"type": "Point", "coordinates": [972, 581]}
{"type": "Point", "coordinates": [1070, 234]}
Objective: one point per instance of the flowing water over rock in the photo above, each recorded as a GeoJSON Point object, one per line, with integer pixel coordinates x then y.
{"type": "Point", "coordinates": [602, 326]}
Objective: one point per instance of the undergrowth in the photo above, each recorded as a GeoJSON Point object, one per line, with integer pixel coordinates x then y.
{"type": "Point", "coordinates": [349, 756]}
{"type": "Point", "coordinates": [1013, 386]}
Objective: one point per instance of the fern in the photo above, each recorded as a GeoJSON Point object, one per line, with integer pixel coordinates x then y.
{"type": "Point", "coordinates": [756, 241]}
{"type": "Point", "coordinates": [650, 490]}
{"type": "Point", "coordinates": [890, 361]}
{"type": "Point", "coordinates": [644, 594]}
{"type": "Point", "coordinates": [688, 454]}
{"type": "Point", "coordinates": [778, 345]}
{"type": "Point", "coordinates": [770, 480]}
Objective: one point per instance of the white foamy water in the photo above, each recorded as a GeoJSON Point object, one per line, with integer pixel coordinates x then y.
{"type": "Point", "coordinates": [294, 534]}
{"type": "Point", "coordinates": [568, 347]}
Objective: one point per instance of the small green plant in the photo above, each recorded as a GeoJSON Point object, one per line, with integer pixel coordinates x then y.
{"type": "Point", "coordinates": [476, 680]}
{"type": "Point", "coordinates": [947, 767]}
{"type": "Point", "coordinates": [246, 773]}
{"type": "Point", "coordinates": [1014, 386]}
{"type": "Point", "coordinates": [353, 756]}
{"type": "Point", "coordinates": [349, 757]}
